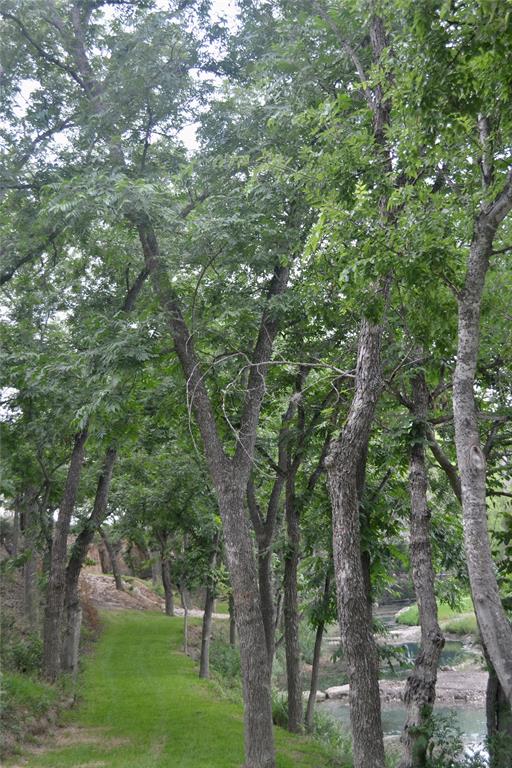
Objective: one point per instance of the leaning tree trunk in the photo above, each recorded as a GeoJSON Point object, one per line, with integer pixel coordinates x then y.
{"type": "Point", "coordinates": [72, 610]}
{"type": "Point", "coordinates": [358, 644]}
{"type": "Point", "coordinates": [167, 584]}
{"type": "Point", "coordinates": [113, 560]}
{"type": "Point", "coordinates": [420, 689]}
{"type": "Point", "coordinates": [57, 577]}
{"type": "Point", "coordinates": [291, 608]}
{"type": "Point", "coordinates": [317, 654]}
{"type": "Point", "coordinates": [492, 620]}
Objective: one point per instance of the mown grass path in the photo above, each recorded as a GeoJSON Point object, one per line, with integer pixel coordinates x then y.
{"type": "Point", "coordinates": [143, 706]}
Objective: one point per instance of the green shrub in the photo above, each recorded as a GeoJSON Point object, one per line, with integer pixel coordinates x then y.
{"type": "Point", "coordinates": [26, 655]}
{"type": "Point", "coordinates": [225, 660]}
{"type": "Point", "coordinates": [326, 730]}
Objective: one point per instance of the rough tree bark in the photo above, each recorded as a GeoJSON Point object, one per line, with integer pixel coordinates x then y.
{"type": "Point", "coordinates": [156, 568]}
{"type": "Point", "coordinates": [265, 527]}
{"type": "Point", "coordinates": [112, 554]}
{"type": "Point", "coordinates": [167, 584]}
{"type": "Point", "coordinates": [420, 689]}
{"type": "Point", "coordinates": [291, 607]}
{"type": "Point", "coordinates": [28, 527]}
{"type": "Point", "coordinates": [72, 611]}
{"type": "Point", "coordinates": [232, 622]}
{"type": "Point", "coordinates": [204, 663]}
{"type": "Point", "coordinates": [55, 590]}
{"type": "Point", "coordinates": [357, 640]}
{"type": "Point", "coordinates": [315, 670]}
{"type": "Point", "coordinates": [492, 620]}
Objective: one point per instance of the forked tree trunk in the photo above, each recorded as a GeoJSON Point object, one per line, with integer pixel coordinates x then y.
{"type": "Point", "coordinates": [359, 648]}
{"type": "Point", "coordinates": [317, 654]}
{"type": "Point", "coordinates": [420, 689]}
{"type": "Point", "coordinates": [113, 560]}
{"type": "Point", "coordinates": [492, 620]}
{"type": "Point", "coordinates": [72, 611]}
{"type": "Point", "coordinates": [291, 609]}
{"type": "Point", "coordinates": [230, 476]}
{"type": "Point", "coordinates": [55, 590]}
{"type": "Point", "coordinates": [167, 584]}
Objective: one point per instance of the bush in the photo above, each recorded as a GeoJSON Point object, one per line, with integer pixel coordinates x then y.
{"type": "Point", "coordinates": [326, 730]}
{"type": "Point", "coordinates": [445, 745]}
{"type": "Point", "coordinates": [26, 655]}
{"type": "Point", "coordinates": [225, 660]}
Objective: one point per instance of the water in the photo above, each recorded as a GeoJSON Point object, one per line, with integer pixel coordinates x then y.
{"type": "Point", "coordinates": [470, 721]}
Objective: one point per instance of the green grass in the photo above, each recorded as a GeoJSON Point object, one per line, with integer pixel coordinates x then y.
{"type": "Point", "coordinates": [143, 706]}
{"type": "Point", "coordinates": [22, 693]}
{"type": "Point", "coordinates": [410, 617]}
{"type": "Point", "coordinates": [23, 701]}
{"type": "Point", "coordinates": [462, 625]}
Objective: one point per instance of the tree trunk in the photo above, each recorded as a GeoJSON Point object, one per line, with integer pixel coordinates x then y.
{"type": "Point", "coordinates": [167, 584]}
{"type": "Point", "coordinates": [291, 609]}
{"type": "Point", "coordinates": [420, 689]}
{"type": "Point", "coordinates": [56, 583]}
{"type": "Point", "coordinates": [315, 670]}
{"type": "Point", "coordinates": [156, 568]}
{"type": "Point", "coordinates": [499, 723]}
{"type": "Point", "coordinates": [204, 666]}
{"type": "Point", "coordinates": [72, 610]}
{"type": "Point", "coordinates": [113, 560]}
{"type": "Point", "coordinates": [16, 529]}
{"type": "Point", "coordinates": [357, 640]}
{"type": "Point", "coordinates": [28, 525]}
{"type": "Point", "coordinates": [104, 558]}
{"type": "Point", "coordinates": [185, 621]}
{"type": "Point", "coordinates": [232, 623]}
{"type": "Point", "coordinates": [266, 595]}
{"type": "Point", "coordinates": [258, 733]}
{"type": "Point", "coordinates": [492, 620]}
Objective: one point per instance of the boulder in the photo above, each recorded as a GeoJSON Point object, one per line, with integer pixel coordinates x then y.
{"type": "Point", "coordinates": [320, 696]}
{"type": "Point", "coordinates": [337, 691]}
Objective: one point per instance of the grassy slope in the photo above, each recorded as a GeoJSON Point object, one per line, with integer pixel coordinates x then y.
{"type": "Point", "coordinates": [152, 709]}
{"type": "Point", "coordinates": [459, 622]}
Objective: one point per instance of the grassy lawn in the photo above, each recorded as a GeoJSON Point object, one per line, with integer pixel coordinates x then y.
{"type": "Point", "coordinates": [143, 706]}
{"type": "Point", "coordinates": [462, 621]}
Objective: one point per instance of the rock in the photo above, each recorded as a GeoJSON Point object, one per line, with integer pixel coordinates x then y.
{"type": "Point", "coordinates": [337, 691]}
{"type": "Point", "coordinates": [320, 696]}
